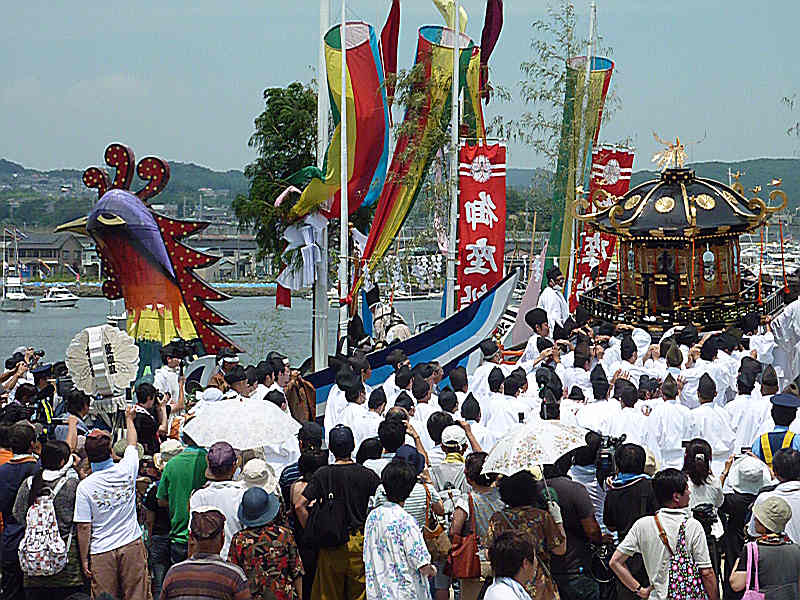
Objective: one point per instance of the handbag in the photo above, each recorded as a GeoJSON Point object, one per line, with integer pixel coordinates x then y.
{"type": "Point", "coordinates": [433, 533]}
{"type": "Point", "coordinates": [752, 560]}
{"type": "Point", "coordinates": [326, 522]}
{"type": "Point", "coordinates": [463, 561]}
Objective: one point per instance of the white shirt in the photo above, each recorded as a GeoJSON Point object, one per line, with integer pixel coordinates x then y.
{"type": "Point", "coordinates": [572, 376]}
{"type": "Point", "coordinates": [643, 538]}
{"type": "Point", "coordinates": [505, 414]}
{"type": "Point", "coordinates": [351, 414]}
{"type": "Point", "coordinates": [724, 379]}
{"type": "Point", "coordinates": [713, 425]}
{"type": "Point", "coordinates": [531, 351]}
{"type": "Point", "coordinates": [668, 425]}
{"type": "Point", "coordinates": [631, 422]}
{"type": "Point", "coordinates": [394, 551]}
{"type": "Point", "coordinates": [505, 588]}
{"type": "Point", "coordinates": [789, 491]}
{"type": "Point", "coordinates": [747, 413]}
{"type": "Point", "coordinates": [485, 438]}
{"type": "Point", "coordinates": [107, 500]}
{"type": "Point", "coordinates": [479, 381]}
{"type": "Point", "coordinates": [555, 305]}
{"type": "Point", "coordinates": [334, 406]}
{"type": "Point", "coordinates": [226, 496]}
{"type": "Point", "coordinates": [599, 415]}
{"type": "Point", "coordinates": [165, 380]}
{"type": "Point", "coordinates": [391, 390]}
{"type": "Point", "coordinates": [366, 427]}
{"type": "Point", "coordinates": [261, 391]}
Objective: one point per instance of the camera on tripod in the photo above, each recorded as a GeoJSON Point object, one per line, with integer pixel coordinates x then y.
{"type": "Point", "coordinates": [604, 463]}
{"type": "Point", "coordinates": [183, 349]}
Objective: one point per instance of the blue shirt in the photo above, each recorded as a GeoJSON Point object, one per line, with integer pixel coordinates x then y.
{"type": "Point", "coordinates": [778, 429]}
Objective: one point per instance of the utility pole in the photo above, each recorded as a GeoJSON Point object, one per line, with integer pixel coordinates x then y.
{"type": "Point", "coordinates": [450, 290]}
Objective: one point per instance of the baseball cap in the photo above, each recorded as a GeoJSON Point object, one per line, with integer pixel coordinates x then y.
{"type": "Point", "coordinates": [340, 441]}
{"type": "Point", "coordinates": [773, 513]}
{"type": "Point", "coordinates": [206, 522]}
{"type": "Point", "coordinates": [453, 435]}
{"type": "Point", "coordinates": [412, 456]}
{"type": "Point", "coordinates": [220, 456]}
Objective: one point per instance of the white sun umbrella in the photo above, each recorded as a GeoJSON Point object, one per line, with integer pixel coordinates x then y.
{"type": "Point", "coordinates": [533, 444]}
{"type": "Point", "coordinates": [247, 425]}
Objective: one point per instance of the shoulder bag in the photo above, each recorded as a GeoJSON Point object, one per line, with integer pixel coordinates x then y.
{"type": "Point", "coordinates": [752, 564]}
{"type": "Point", "coordinates": [463, 561]}
{"type": "Point", "coordinates": [327, 521]}
{"type": "Point", "coordinates": [684, 576]}
{"type": "Point", "coordinates": [433, 533]}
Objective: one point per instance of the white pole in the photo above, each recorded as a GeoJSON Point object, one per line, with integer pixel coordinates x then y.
{"type": "Point", "coordinates": [319, 310]}
{"type": "Point", "coordinates": [451, 240]}
{"type": "Point", "coordinates": [343, 212]}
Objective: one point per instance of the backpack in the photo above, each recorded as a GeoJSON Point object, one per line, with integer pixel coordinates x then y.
{"type": "Point", "coordinates": [326, 526]}
{"type": "Point", "coordinates": [684, 576]}
{"type": "Point", "coordinates": [42, 552]}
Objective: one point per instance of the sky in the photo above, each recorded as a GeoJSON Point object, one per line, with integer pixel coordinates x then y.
{"type": "Point", "coordinates": [183, 79]}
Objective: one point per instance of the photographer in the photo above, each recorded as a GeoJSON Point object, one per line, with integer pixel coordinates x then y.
{"type": "Point", "coordinates": [18, 370]}
{"type": "Point", "coordinates": [150, 419]}
{"type": "Point", "coordinates": [167, 378]}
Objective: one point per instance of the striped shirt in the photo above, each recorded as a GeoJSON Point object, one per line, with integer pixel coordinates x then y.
{"type": "Point", "coordinates": [289, 475]}
{"type": "Point", "coordinates": [205, 577]}
{"type": "Point", "coordinates": [415, 503]}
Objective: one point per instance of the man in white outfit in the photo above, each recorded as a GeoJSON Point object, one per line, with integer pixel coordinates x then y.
{"type": "Point", "coordinates": [537, 321]}
{"type": "Point", "coordinates": [713, 424]}
{"type": "Point", "coordinates": [552, 299]}
{"type": "Point", "coordinates": [492, 357]}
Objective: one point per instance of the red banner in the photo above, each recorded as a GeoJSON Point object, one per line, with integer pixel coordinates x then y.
{"type": "Point", "coordinates": [611, 171]}
{"type": "Point", "coordinates": [481, 219]}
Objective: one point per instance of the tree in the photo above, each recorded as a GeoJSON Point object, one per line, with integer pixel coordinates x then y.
{"type": "Point", "coordinates": [286, 139]}
{"type": "Point", "coordinates": [543, 86]}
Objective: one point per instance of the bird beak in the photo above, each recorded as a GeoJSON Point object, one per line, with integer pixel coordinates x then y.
{"type": "Point", "coordinates": [77, 226]}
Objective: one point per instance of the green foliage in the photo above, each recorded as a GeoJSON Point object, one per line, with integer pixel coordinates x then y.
{"type": "Point", "coordinates": [285, 138]}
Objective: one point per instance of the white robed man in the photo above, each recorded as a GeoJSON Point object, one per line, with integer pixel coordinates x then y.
{"type": "Point", "coordinates": [668, 425]}
{"type": "Point", "coordinates": [492, 357]}
{"type": "Point", "coordinates": [367, 425]}
{"type": "Point", "coordinates": [166, 377]}
{"type": "Point", "coordinates": [599, 415]}
{"type": "Point", "coordinates": [507, 409]}
{"type": "Point", "coordinates": [703, 360]}
{"type": "Point", "coordinates": [628, 362]}
{"type": "Point", "coordinates": [336, 402]}
{"type": "Point", "coordinates": [631, 420]}
{"type": "Point", "coordinates": [471, 413]}
{"type": "Point", "coordinates": [398, 359]}
{"type": "Point", "coordinates": [552, 300]}
{"type": "Point", "coordinates": [769, 388]}
{"type": "Point", "coordinates": [489, 402]}
{"type": "Point", "coordinates": [578, 374]}
{"type": "Point", "coordinates": [537, 321]}
{"type": "Point", "coordinates": [356, 406]}
{"type": "Point", "coordinates": [713, 424]}
{"type": "Point", "coordinates": [748, 410]}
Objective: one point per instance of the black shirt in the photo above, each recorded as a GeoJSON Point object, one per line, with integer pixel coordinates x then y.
{"type": "Point", "coordinates": [626, 503]}
{"type": "Point", "coordinates": [146, 428]}
{"type": "Point", "coordinates": [352, 482]}
{"type": "Point", "coordinates": [161, 524]}
{"type": "Point", "coordinates": [575, 505]}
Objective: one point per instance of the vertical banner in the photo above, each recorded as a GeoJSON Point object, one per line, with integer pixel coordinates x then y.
{"type": "Point", "coordinates": [481, 219]}
{"type": "Point", "coordinates": [611, 171]}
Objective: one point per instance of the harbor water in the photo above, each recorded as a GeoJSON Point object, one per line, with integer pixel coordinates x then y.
{"type": "Point", "coordinates": [259, 328]}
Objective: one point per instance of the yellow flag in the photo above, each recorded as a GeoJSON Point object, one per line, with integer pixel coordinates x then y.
{"type": "Point", "coordinates": [447, 8]}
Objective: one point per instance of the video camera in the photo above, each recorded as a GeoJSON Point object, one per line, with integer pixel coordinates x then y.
{"type": "Point", "coordinates": [604, 463]}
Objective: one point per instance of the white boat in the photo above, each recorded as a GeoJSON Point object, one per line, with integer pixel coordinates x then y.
{"type": "Point", "coordinates": [14, 298]}
{"type": "Point", "coordinates": [58, 296]}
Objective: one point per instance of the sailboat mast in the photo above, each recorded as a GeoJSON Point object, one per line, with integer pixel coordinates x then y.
{"type": "Point", "coordinates": [319, 310]}
{"type": "Point", "coordinates": [343, 204]}
{"type": "Point", "coordinates": [450, 290]}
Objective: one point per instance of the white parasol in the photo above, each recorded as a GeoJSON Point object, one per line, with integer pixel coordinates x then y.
{"type": "Point", "coordinates": [245, 424]}
{"type": "Point", "coordinates": [533, 444]}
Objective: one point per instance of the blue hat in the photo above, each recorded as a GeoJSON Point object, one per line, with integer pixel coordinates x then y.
{"type": "Point", "coordinates": [789, 400]}
{"type": "Point", "coordinates": [42, 369]}
{"type": "Point", "coordinates": [410, 455]}
{"type": "Point", "coordinates": [257, 507]}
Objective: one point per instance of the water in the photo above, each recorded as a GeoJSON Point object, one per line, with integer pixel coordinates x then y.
{"type": "Point", "coordinates": [259, 328]}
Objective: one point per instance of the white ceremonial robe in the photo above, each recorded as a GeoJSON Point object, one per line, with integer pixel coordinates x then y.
{"type": "Point", "coordinates": [786, 331]}
{"type": "Point", "coordinates": [352, 414]}
{"type": "Point", "coordinates": [576, 376]}
{"type": "Point", "coordinates": [333, 407]}
{"type": "Point", "coordinates": [479, 381]}
{"type": "Point", "coordinates": [714, 426]}
{"type": "Point", "coordinates": [763, 344]}
{"type": "Point", "coordinates": [531, 351]}
{"type": "Point", "coordinates": [366, 427]}
{"type": "Point", "coordinates": [634, 371]}
{"type": "Point", "coordinates": [748, 413]}
{"type": "Point", "coordinates": [598, 416]}
{"type": "Point", "coordinates": [554, 303]}
{"type": "Point", "coordinates": [505, 414]}
{"type": "Point", "coordinates": [668, 425]}
{"type": "Point", "coordinates": [718, 370]}
{"type": "Point", "coordinates": [261, 391]}
{"type": "Point", "coordinates": [391, 390]}
{"type": "Point", "coordinates": [460, 396]}
{"type": "Point", "coordinates": [632, 422]}
{"type": "Point", "coordinates": [485, 438]}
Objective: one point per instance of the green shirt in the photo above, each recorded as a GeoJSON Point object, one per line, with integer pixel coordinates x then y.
{"type": "Point", "coordinates": [182, 475]}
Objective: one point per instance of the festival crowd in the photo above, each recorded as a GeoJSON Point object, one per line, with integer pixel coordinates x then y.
{"type": "Point", "coordinates": [686, 484]}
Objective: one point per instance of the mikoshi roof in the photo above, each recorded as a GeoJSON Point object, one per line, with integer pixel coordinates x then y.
{"type": "Point", "coordinates": [682, 205]}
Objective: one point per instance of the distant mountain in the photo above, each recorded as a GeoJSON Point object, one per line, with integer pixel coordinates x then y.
{"type": "Point", "coordinates": [184, 177]}
{"type": "Point", "coordinates": [758, 171]}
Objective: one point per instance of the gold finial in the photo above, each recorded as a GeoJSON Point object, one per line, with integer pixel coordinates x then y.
{"type": "Point", "coordinates": [673, 154]}
{"type": "Point", "coordinates": [776, 182]}
{"type": "Point", "coordinates": [737, 175]}
{"type": "Point", "coordinates": [756, 189]}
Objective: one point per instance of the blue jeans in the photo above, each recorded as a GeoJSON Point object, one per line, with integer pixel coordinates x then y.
{"type": "Point", "coordinates": [577, 586]}
{"type": "Point", "coordinates": [159, 561]}
{"type": "Point", "coordinates": [178, 552]}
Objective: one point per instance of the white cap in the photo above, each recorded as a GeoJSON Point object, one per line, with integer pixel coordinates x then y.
{"type": "Point", "coordinates": [454, 435]}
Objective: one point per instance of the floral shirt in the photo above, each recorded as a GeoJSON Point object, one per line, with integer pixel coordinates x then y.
{"type": "Point", "coordinates": [394, 551]}
{"type": "Point", "coordinates": [544, 534]}
{"type": "Point", "coordinates": [268, 556]}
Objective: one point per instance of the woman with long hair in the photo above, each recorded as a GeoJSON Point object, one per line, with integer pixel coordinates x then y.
{"type": "Point", "coordinates": [59, 478]}
{"type": "Point", "coordinates": [704, 488]}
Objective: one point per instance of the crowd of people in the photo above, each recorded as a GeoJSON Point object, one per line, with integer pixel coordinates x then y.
{"type": "Point", "coordinates": [687, 484]}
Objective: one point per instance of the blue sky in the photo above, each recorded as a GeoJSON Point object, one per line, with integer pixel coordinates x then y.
{"type": "Point", "coordinates": [183, 79]}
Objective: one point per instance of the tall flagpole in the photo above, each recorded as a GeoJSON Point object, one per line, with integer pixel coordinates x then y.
{"type": "Point", "coordinates": [319, 310]}
{"type": "Point", "coordinates": [344, 288]}
{"type": "Point", "coordinates": [451, 240]}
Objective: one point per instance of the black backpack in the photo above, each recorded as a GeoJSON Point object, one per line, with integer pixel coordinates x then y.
{"type": "Point", "coordinates": [326, 521]}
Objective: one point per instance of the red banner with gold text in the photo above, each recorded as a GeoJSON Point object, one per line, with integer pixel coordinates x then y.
{"type": "Point", "coordinates": [481, 219]}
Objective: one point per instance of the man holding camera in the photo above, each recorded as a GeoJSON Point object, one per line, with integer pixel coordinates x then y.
{"type": "Point", "coordinates": [150, 406]}
{"type": "Point", "coordinates": [18, 370]}
{"type": "Point", "coordinates": [167, 378]}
